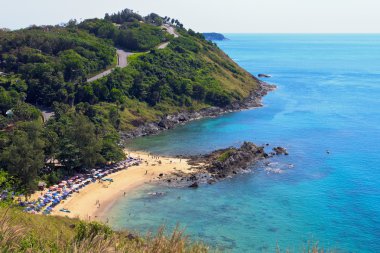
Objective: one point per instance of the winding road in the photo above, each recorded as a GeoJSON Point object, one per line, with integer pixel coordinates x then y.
{"type": "Point", "coordinates": [122, 56]}
{"type": "Point", "coordinates": [122, 62]}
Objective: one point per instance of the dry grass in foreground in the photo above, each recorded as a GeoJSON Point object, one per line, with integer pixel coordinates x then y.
{"type": "Point", "coordinates": [20, 232]}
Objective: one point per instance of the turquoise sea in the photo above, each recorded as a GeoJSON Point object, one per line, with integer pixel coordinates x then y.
{"type": "Point", "coordinates": [328, 98]}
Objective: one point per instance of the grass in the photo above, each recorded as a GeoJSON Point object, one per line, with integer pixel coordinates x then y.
{"type": "Point", "coordinates": [20, 232]}
{"type": "Point", "coordinates": [224, 156]}
{"type": "Point", "coordinates": [135, 56]}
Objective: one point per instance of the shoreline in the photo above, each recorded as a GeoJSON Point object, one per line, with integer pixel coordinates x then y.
{"type": "Point", "coordinates": [84, 205]}
{"type": "Point", "coordinates": [254, 100]}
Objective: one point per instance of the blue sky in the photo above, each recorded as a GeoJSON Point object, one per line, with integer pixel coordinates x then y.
{"type": "Point", "coordinates": [241, 16]}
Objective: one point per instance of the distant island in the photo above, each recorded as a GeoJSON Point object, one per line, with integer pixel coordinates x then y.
{"type": "Point", "coordinates": [214, 36]}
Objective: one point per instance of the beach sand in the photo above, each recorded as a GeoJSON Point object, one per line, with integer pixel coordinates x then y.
{"type": "Point", "coordinates": [83, 205]}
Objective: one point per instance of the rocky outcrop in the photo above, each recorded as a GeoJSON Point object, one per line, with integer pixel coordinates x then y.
{"type": "Point", "coordinates": [171, 121]}
{"type": "Point", "coordinates": [219, 165]}
{"type": "Point", "coordinates": [232, 161]}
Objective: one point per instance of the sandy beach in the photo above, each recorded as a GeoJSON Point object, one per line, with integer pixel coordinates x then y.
{"type": "Point", "coordinates": [93, 201]}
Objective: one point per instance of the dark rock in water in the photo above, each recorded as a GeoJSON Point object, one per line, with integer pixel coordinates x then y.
{"type": "Point", "coordinates": [219, 165]}
{"type": "Point", "coordinates": [228, 161]}
{"type": "Point", "coordinates": [264, 76]}
{"type": "Point", "coordinates": [211, 181]}
{"type": "Point", "coordinates": [194, 185]}
{"type": "Point", "coordinates": [280, 151]}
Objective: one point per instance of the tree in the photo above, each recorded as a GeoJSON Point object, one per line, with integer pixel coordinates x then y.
{"type": "Point", "coordinates": [24, 157]}
{"type": "Point", "coordinates": [79, 146]}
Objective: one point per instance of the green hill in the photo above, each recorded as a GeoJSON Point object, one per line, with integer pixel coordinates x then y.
{"type": "Point", "coordinates": [45, 69]}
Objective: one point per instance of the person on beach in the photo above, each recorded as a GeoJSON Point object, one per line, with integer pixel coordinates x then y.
{"type": "Point", "coordinates": [146, 172]}
{"type": "Point", "coordinates": [124, 194]}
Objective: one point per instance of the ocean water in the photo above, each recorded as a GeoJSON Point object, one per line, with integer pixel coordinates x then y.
{"type": "Point", "coordinates": [328, 98]}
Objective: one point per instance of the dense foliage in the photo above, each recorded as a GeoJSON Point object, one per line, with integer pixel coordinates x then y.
{"type": "Point", "coordinates": [44, 69]}
{"type": "Point", "coordinates": [133, 36]}
{"type": "Point", "coordinates": [52, 60]}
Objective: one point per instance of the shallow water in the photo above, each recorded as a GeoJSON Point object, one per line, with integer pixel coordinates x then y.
{"type": "Point", "coordinates": [327, 99]}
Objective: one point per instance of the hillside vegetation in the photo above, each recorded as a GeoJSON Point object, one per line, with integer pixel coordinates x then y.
{"type": "Point", "coordinates": [45, 68]}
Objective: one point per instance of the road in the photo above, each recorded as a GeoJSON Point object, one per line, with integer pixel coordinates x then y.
{"type": "Point", "coordinates": [122, 62]}
{"type": "Point", "coordinates": [170, 30]}
{"type": "Point", "coordinates": [163, 45]}
{"type": "Point", "coordinates": [122, 56]}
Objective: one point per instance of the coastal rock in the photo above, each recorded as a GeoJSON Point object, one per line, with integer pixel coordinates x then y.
{"type": "Point", "coordinates": [166, 123]}
{"type": "Point", "coordinates": [280, 151]}
{"type": "Point", "coordinates": [264, 76]}
{"type": "Point", "coordinates": [218, 165]}
{"type": "Point", "coordinates": [194, 185]}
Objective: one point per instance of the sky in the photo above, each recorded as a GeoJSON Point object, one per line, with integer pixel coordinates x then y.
{"type": "Point", "coordinates": [225, 16]}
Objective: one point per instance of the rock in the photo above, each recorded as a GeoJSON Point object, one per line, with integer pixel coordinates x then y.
{"type": "Point", "coordinates": [183, 117]}
{"type": "Point", "coordinates": [264, 76]}
{"type": "Point", "coordinates": [280, 151]}
{"type": "Point", "coordinates": [211, 181]}
{"type": "Point", "coordinates": [194, 185]}
{"type": "Point", "coordinates": [166, 123]}
{"type": "Point", "coordinates": [218, 165]}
